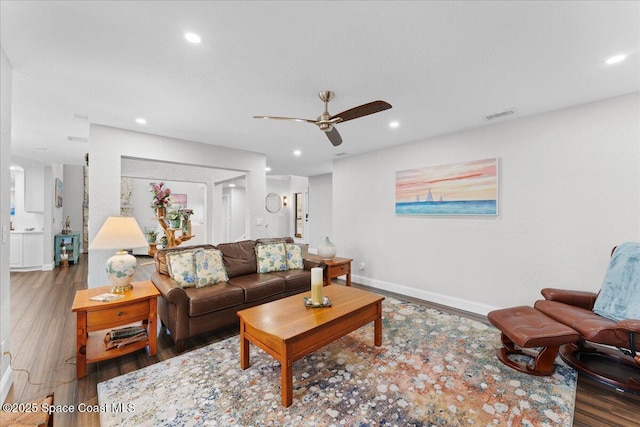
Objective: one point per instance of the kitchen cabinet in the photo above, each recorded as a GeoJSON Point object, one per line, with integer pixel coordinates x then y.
{"type": "Point", "coordinates": [27, 251]}
{"type": "Point", "coordinates": [34, 189]}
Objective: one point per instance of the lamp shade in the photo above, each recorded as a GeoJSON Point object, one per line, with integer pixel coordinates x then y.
{"type": "Point", "coordinates": [120, 232]}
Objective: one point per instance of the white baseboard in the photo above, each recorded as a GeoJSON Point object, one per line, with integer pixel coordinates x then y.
{"type": "Point", "coordinates": [48, 267]}
{"type": "Point", "coordinates": [5, 384]}
{"type": "Point", "coordinates": [449, 301]}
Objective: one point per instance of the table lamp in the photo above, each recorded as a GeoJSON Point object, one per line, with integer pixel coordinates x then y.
{"type": "Point", "coordinates": [120, 232]}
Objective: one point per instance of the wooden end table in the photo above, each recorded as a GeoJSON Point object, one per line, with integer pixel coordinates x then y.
{"type": "Point", "coordinates": [288, 330]}
{"type": "Point", "coordinates": [336, 267]}
{"type": "Point", "coordinates": [96, 318]}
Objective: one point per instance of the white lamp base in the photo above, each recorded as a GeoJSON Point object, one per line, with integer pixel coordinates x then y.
{"type": "Point", "coordinates": [120, 269]}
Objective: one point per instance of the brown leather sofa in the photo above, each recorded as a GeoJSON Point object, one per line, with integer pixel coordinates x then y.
{"type": "Point", "coordinates": [192, 311]}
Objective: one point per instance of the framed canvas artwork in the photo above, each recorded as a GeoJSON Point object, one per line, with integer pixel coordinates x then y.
{"type": "Point", "coordinates": [58, 192]}
{"type": "Point", "coordinates": [468, 188]}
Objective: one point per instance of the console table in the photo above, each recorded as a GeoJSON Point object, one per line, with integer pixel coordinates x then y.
{"type": "Point", "coordinates": [72, 244]}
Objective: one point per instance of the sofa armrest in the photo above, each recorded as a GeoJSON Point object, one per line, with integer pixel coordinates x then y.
{"type": "Point", "coordinates": [169, 289]}
{"type": "Point", "coordinates": [311, 263]}
{"type": "Point", "coordinates": [582, 299]}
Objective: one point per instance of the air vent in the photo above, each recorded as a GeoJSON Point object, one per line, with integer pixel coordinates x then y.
{"type": "Point", "coordinates": [501, 114]}
{"type": "Point", "coordinates": [77, 139]}
{"type": "Point", "coordinates": [81, 117]}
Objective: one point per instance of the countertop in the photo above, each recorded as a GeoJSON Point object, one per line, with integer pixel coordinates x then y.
{"type": "Point", "coordinates": [26, 232]}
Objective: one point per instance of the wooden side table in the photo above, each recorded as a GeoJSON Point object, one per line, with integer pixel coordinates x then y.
{"type": "Point", "coordinates": [96, 318]}
{"type": "Point", "coordinates": [336, 267]}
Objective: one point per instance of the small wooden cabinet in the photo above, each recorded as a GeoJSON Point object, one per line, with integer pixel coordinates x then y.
{"type": "Point", "coordinates": [71, 243]}
{"type": "Point", "coordinates": [336, 267]}
{"type": "Point", "coordinates": [96, 318]}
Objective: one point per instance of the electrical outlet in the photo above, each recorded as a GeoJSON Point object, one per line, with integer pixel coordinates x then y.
{"type": "Point", "coordinates": [362, 266]}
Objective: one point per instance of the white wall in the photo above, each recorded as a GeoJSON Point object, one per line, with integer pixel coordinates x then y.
{"type": "Point", "coordinates": [73, 180]}
{"type": "Point", "coordinates": [108, 145]}
{"type": "Point", "coordinates": [6, 376]}
{"type": "Point", "coordinates": [279, 224]}
{"type": "Point", "coordinates": [569, 192]}
{"type": "Point", "coordinates": [320, 210]}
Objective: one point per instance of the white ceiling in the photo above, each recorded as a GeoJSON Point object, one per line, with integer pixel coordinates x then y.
{"type": "Point", "coordinates": [442, 65]}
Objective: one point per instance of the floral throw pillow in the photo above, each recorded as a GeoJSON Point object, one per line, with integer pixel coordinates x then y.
{"type": "Point", "coordinates": [209, 267]}
{"type": "Point", "coordinates": [271, 257]}
{"type": "Point", "coordinates": [294, 256]}
{"type": "Point", "coordinates": [181, 268]}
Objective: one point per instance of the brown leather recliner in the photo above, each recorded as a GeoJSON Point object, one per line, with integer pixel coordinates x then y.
{"type": "Point", "coordinates": [594, 354]}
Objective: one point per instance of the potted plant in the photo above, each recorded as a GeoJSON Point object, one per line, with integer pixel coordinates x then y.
{"type": "Point", "coordinates": [160, 198]}
{"type": "Point", "coordinates": [151, 234]}
{"type": "Point", "coordinates": [173, 218]}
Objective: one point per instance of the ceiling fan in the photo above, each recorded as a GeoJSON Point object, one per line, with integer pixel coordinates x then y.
{"type": "Point", "coordinates": [326, 121]}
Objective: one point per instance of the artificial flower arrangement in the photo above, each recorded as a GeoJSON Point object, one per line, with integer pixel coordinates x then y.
{"type": "Point", "coordinates": [160, 195]}
{"type": "Point", "coordinates": [186, 214]}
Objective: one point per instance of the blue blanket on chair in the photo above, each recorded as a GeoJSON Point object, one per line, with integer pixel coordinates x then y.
{"type": "Point", "coordinates": [619, 297]}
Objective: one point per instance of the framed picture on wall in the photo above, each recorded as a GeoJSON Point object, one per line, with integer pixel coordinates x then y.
{"type": "Point", "coordinates": [178, 200]}
{"type": "Point", "coordinates": [467, 188]}
{"type": "Point", "coordinates": [58, 192]}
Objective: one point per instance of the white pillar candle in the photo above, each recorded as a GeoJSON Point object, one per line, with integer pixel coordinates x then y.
{"type": "Point", "coordinates": [316, 285]}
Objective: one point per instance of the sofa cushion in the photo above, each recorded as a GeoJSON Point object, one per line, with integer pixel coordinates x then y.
{"type": "Point", "coordinates": [161, 256]}
{"type": "Point", "coordinates": [239, 257]}
{"type": "Point", "coordinates": [213, 298]}
{"type": "Point", "coordinates": [619, 297]}
{"type": "Point", "coordinates": [209, 267]}
{"type": "Point", "coordinates": [257, 286]}
{"type": "Point", "coordinates": [181, 268]}
{"type": "Point", "coordinates": [296, 280]}
{"type": "Point", "coordinates": [294, 256]}
{"type": "Point", "coordinates": [271, 257]}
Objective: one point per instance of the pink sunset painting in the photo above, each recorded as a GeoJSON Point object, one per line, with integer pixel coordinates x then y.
{"type": "Point", "coordinates": [469, 188]}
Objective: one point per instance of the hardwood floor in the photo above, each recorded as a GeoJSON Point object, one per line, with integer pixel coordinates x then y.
{"type": "Point", "coordinates": [43, 342]}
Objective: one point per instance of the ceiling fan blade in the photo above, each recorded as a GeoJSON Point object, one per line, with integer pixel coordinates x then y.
{"type": "Point", "coordinates": [293, 119]}
{"type": "Point", "coordinates": [363, 110]}
{"type": "Point", "coordinates": [334, 137]}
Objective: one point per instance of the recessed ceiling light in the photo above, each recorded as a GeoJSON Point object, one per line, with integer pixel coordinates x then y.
{"type": "Point", "coordinates": [232, 185]}
{"type": "Point", "coordinates": [297, 153]}
{"type": "Point", "coordinates": [615, 59]}
{"type": "Point", "coordinates": [193, 38]}
{"type": "Point", "coordinates": [394, 125]}
{"type": "Point", "coordinates": [141, 121]}
{"type": "Point", "coordinates": [267, 169]}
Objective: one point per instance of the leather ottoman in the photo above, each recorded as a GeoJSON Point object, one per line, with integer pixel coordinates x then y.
{"type": "Point", "coordinates": [525, 328]}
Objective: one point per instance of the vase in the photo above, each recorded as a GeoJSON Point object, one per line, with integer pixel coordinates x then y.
{"type": "Point", "coordinates": [327, 250]}
{"type": "Point", "coordinates": [186, 227]}
{"type": "Point", "coordinates": [161, 212]}
{"type": "Point", "coordinates": [174, 223]}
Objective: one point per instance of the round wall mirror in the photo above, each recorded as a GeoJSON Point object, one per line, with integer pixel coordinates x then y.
{"type": "Point", "coordinates": [273, 202]}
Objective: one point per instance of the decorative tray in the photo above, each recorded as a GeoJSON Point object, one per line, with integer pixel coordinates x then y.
{"type": "Point", "coordinates": [325, 303]}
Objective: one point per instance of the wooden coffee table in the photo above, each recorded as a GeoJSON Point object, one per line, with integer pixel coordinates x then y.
{"type": "Point", "coordinates": [288, 330]}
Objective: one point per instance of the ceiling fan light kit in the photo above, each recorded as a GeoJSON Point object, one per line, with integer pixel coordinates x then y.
{"type": "Point", "coordinates": [326, 122]}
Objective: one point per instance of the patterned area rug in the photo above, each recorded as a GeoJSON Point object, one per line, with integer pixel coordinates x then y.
{"type": "Point", "coordinates": [432, 369]}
